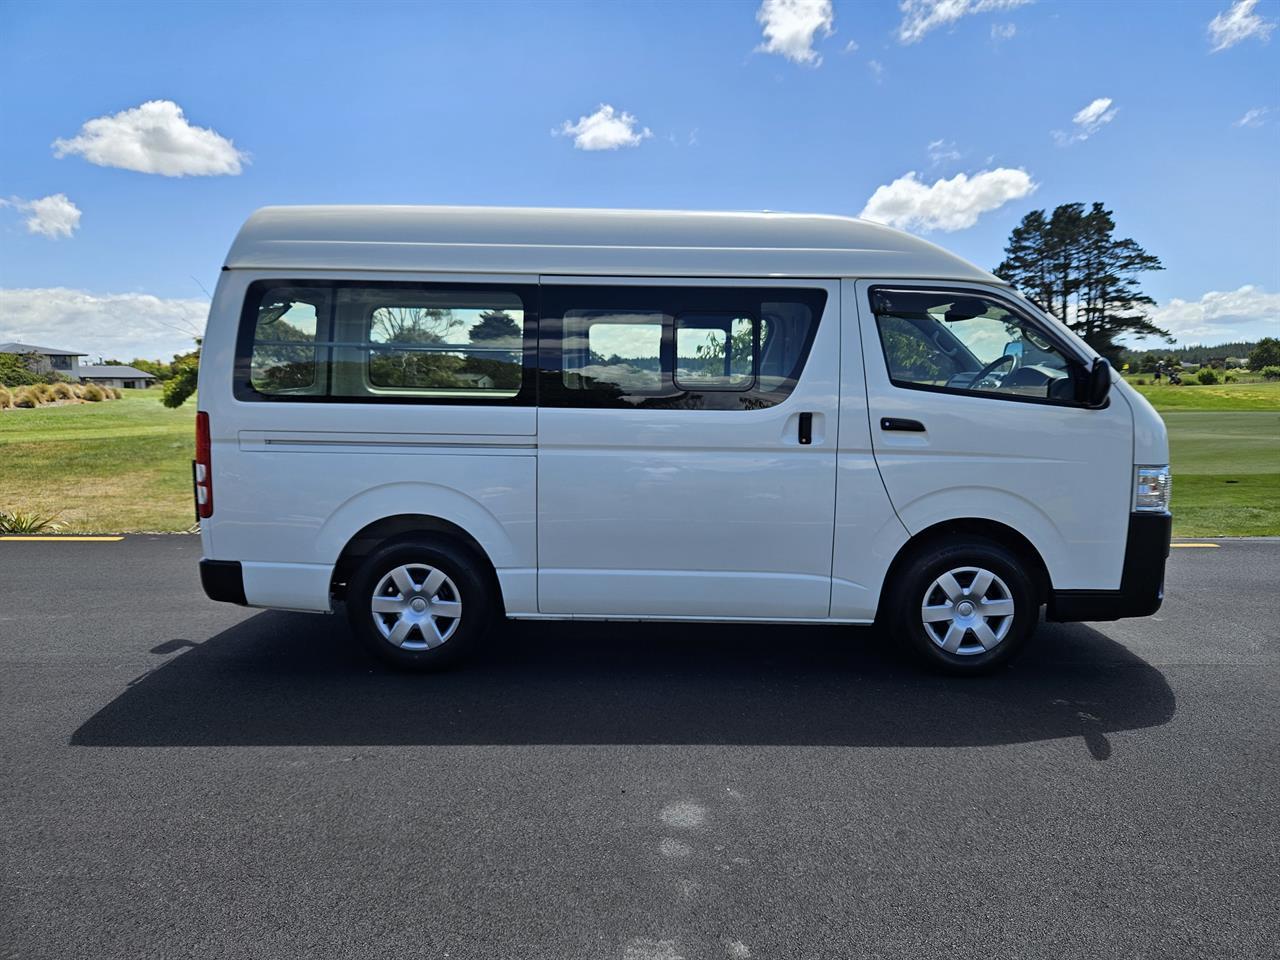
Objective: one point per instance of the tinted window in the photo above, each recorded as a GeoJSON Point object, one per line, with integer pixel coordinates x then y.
{"type": "Point", "coordinates": [394, 342]}
{"type": "Point", "coordinates": [970, 344]}
{"type": "Point", "coordinates": [684, 347]}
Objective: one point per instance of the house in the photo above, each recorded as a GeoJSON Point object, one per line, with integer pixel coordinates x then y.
{"type": "Point", "coordinates": [116, 375]}
{"type": "Point", "coordinates": [46, 359]}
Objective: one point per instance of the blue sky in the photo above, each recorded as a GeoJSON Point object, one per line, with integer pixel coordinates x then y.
{"type": "Point", "coordinates": [741, 105]}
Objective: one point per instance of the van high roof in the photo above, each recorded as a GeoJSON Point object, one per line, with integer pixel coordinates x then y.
{"type": "Point", "coordinates": [531, 240]}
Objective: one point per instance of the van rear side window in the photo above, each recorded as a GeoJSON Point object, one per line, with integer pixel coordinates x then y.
{"type": "Point", "coordinates": [388, 342]}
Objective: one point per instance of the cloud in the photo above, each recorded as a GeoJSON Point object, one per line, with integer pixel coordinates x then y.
{"type": "Point", "coordinates": [118, 326]}
{"type": "Point", "coordinates": [877, 70]}
{"type": "Point", "coordinates": [947, 205]}
{"type": "Point", "coordinates": [1253, 118]}
{"type": "Point", "coordinates": [606, 129]}
{"type": "Point", "coordinates": [153, 138]}
{"type": "Point", "coordinates": [52, 216]}
{"type": "Point", "coordinates": [941, 151]}
{"type": "Point", "coordinates": [791, 25]}
{"type": "Point", "coordinates": [1088, 121]}
{"type": "Point", "coordinates": [1243, 314]}
{"type": "Point", "coordinates": [921, 16]}
{"type": "Point", "coordinates": [1238, 23]}
{"type": "Point", "coordinates": [851, 47]}
{"type": "Point", "coordinates": [1003, 31]}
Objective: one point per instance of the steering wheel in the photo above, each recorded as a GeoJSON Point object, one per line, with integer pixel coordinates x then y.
{"type": "Point", "coordinates": [980, 380]}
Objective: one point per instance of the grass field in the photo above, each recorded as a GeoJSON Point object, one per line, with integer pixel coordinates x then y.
{"type": "Point", "coordinates": [123, 465]}
{"type": "Point", "coordinates": [126, 465]}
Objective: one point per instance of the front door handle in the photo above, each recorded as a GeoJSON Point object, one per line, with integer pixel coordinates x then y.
{"type": "Point", "coordinates": [897, 423]}
{"type": "Point", "coordinates": [806, 429]}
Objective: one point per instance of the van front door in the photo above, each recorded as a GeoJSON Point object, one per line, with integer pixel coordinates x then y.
{"type": "Point", "coordinates": [686, 447]}
{"type": "Point", "coordinates": [974, 415]}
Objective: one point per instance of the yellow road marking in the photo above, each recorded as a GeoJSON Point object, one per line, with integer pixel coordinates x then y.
{"type": "Point", "coordinates": [1213, 545]}
{"type": "Point", "coordinates": [67, 539]}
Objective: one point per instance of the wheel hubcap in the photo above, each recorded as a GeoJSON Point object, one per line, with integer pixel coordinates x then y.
{"type": "Point", "coordinates": [967, 611]}
{"type": "Point", "coordinates": [416, 607]}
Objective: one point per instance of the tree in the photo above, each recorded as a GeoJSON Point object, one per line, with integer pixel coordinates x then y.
{"type": "Point", "coordinates": [1073, 267]}
{"type": "Point", "coordinates": [1265, 354]}
{"type": "Point", "coordinates": [182, 384]}
{"type": "Point", "coordinates": [496, 325]}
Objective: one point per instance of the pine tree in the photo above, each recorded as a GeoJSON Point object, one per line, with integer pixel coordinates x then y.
{"type": "Point", "coordinates": [1072, 266]}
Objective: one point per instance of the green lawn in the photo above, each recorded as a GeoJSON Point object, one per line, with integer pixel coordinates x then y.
{"type": "Point", "coordinates": [122, 465]}
{"type": "Point", "coordinates": [1224, 448]}
{"type": "Point", "coordinates": [125, 465]}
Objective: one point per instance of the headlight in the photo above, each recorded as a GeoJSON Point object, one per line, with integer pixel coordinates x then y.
{"type": "Point", "coordinates": [1151, 488]}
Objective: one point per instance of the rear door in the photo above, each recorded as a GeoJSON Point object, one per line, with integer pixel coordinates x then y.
{"type": "Point", "coordinates": [973, 414]}
{"type": "Point", "coordinates": [686, 447]}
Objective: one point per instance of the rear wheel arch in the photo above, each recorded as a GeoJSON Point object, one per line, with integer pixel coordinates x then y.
{"type": "Point", "coordinates": [408, 527]}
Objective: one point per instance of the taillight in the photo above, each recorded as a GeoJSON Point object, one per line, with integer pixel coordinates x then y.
{"type": "Point", "coordinates": [203, 468]}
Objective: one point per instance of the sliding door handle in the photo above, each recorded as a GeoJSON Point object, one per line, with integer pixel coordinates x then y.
{"type": "Point", "coordinates": [806, 429]}
{"type": "Point", "coordinates": [896, 423]}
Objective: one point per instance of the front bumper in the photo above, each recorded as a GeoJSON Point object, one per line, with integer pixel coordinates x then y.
{"type": "Point", "coordinates": [1141, 584]}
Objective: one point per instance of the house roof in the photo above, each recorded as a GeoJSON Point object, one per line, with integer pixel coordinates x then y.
{"type": "Point", "coordinates": [532, 241]}
{"type": "Point", "coordinates": [110, 371]}
{"type": "Point", "coordinates": [14, 347]}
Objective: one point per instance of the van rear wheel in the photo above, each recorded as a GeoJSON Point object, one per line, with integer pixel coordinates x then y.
{"type": "Point", "coordinates": [420, 604]}
{"type": "Point", "coordinates": [965, 608]}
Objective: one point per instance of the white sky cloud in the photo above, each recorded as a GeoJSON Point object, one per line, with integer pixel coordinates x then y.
{"type": "Point", "coordinates": [52, 216]}
{"type": "Point", "coordinates": [1003, 31]}
{"type": "Point", "coordinates": [153, 138]}
{"type": "Point", "coordinates": [921, 16]}
{"type": "Point", "coordinates": [1088, 121]}
{"type": "Point", "coordinates": [118, 326]}
{"type": "Point", "coordinates": [790, 27]}
{"type": "Point", "coordinates": [606, 129]}
{"type": "Point", "coordinates": [1237, 23]}
{"type": "Point", "coordinates": [1253, 118]}
{"type": "Point", "coordinates": [942, 151]}
{"type": "Point", "coordinates": [947, 205]}
{"type": "Point", "coordinates": [1244, 314]}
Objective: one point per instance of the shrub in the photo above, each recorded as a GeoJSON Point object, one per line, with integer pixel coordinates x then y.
{"type": "Point", "coordinates": [117, 393]}
{"type": "Point", "coordinates": [1271, 373]}
{"type": "Point", "coordinates": [1207, 376]}
{"type": "Point", "coordinates": [93, 393]}
{"type": "Point", "coordinates": [14, 522]}
{"type": "Point", "coordinates": [23, 397]}
{"type": "Point", "coordinates": [61, 391]}
{"type": "Point", "coordinates": [1142, 381]}
{"type": "Point", "coordinates": [42, 392]}
{"type": "Point", "coordinates": [14, 371]}
{"type": "Point", "coordinates": [77, 391]}
{"type": "Point", "coordinates": [1231, 378]}
{"type": "Point", "coordinates": [6, 398]}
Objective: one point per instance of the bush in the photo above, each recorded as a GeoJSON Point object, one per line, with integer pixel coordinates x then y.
{"type": "Point", "coordinates": [93, 393]}
{"type": "Point", "coordinates": [62, 391]}
{"type": "Point", "coordinates": [6, 398]}
{"type": "Point", "coordinates": [14, 371]}
{"type": "Point", "coordinates": [1231, 378]}
{"type": "Point", "coordinates": [1271, 373]}
{"type": "Point", "coordinates": [13, 522]}
{"type": "Point", "coordinates": [1207, 376]}
{"type": "Point", "coordinates": [77, 391]}
{"type": "Point", "coordinates": [117, 393]}
{"type": "Point", "coordinates": [23, 397]}
{"type": "Point", "coordinates": [1142, 381]}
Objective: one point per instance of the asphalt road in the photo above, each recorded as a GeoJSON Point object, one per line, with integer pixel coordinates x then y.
{"type": "Point", "coordinates": [186, 779]}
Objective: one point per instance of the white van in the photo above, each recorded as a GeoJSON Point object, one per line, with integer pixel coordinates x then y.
{"type": "Point", "coordinates": [437, 416]}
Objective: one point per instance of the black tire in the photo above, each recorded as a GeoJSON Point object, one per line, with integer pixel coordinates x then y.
{"type": "Point", "coordinates": [914, 584]}
{"type": "Point", "coordinates": [467, 584]}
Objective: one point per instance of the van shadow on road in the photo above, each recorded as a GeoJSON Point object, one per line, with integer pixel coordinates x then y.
{"type": "Point", "coordinates": [298, 679]}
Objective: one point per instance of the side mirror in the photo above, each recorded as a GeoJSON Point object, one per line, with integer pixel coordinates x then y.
{"type": "Point", "coordinates": [1099, 383]}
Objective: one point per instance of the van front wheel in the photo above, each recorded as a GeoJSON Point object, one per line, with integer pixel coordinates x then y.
{"type": "Point", "coordinates": [965, 608]}
{"type": "Point", "coordinates": [419, 604]}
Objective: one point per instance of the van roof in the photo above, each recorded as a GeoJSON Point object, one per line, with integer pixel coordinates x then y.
{"type": "Point", "coordinates": [549, 241]}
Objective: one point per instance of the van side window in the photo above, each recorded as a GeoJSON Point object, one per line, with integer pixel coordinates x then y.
{"type": "Point", "coordinates": [389, 342]}
{"type": "Point", "coordinates": [285, 357]}
{"type": "Point", "coordinates": [698, 348]}
{"type": "Point", "coordinates": [959, 342]}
